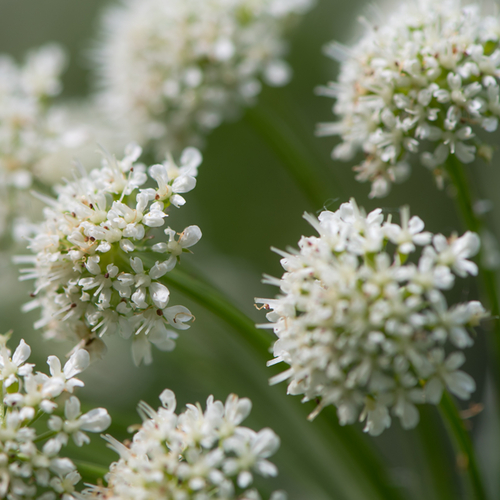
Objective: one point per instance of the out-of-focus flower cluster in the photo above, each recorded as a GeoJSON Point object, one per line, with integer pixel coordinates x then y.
{"type": "Point", "coordinates": [94, 261]}
{"type": "Point", "coordinates": [173, 71]}
{"type": "Point", "coordinates": [428, 75]}
{"type": "Point", "coordinates": [30, 462]}
{"type": "Point", "coordinates": [363, 322]}
{"type": "Point", "coordinates": [30, 126]}
{"type": "Point", "coordinates": [196, 454]}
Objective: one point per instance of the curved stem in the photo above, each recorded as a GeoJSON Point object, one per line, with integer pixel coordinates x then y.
{"type": "Point", "coordinates": [290, 150]}
{"type": "Point", "coordinates": [466, 458]}
{"type": "Point", "coordinates": [464, 200]}
{"type": "Point", "coordinates": [91, 469]}
{"type": "Point", "coordinates": [44, 436]}
{"type": "Point", "coordinates": [361, 459]}
{"type": "Point", "coordinates": [213, 300]}
{"type": "Point", "coordinates": [435, 453]}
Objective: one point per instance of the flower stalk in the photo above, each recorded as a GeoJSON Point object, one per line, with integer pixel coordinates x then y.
{"type": "Point", "coordinates": [466, 458]}
{"type": "Point", "coordinates": [289, 148]}
{"type": "Point", "coordinates": [464, 202]}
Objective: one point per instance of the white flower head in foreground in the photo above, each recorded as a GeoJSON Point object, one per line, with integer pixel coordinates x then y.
{"type": "Point", "coordinates": [362, 319]}
{"type": "Point", "coordinates": [195, 454]}
{"type": "Point", "coordinates": [31, 466]}
{"type": "Point", "coordinates": [98, 263]}
{"type": "Point", "coordinates": [175, 70]}
{"type": "Point", "coordinates": [422, 82]}
{"type": "Point", "coordinates": [30, 126]}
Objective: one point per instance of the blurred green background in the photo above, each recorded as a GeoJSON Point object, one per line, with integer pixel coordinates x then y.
{"type": "Point", "coordinates": [245, 202]}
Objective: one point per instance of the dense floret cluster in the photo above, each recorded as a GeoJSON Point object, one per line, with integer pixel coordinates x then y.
{"type": "Point", "coordinates": [425, 80]}
{"type": "Point", "coordinates": [31, 465]}
{"type": "Point", "coordinates": [362, 319]}
{"type": "Point", "coordinates": [172, 71]}
{"type": "Point", "coordinates": [196, 454]}
{"type": "Point", "coordinates": [96, 264]}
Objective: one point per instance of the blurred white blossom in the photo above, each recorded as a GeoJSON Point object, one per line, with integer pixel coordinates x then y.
{"type": "Point", "coordinates": [96, 266]}
{"type": "Point", "coordinates": [30, 462]}
{"type": "Point", "coordinates": [172, 71]}
{"type": "Point", "coordinates": [31, 126]}
{"type": "Point", "coordinates": [423, 81]}
{"type": "Point", "coordinates": [362, 318]}
{"type": "Point", "coordinates": [194, 454]}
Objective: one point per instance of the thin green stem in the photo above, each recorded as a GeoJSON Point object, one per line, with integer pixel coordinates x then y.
{"type": "Point", "coordinates": [436, 455]}
{"type": "Point", "coordinates": [293, 154]}
{"type": "Point", "coordinates": [2, 407]}
{"type": "Point", "coordinates": [90, 469]}
{"type": "Point", "coordinates": [353, 449]}
{"type": "Point", "coordinates": [466, 457]}
{"type": "Point", "coordinates": [213, 300]}
{"type": "Point", "coordinates": [45, 435]}
{"type": "Point", "coordinates": [464, 200]}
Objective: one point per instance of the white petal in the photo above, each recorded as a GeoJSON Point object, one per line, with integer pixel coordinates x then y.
{"type": "Point", "coordinates": [78, 362]}
{"type": "Point", "coordinates": [96, 420]}
{"type": "Point", "coordinates": [160, 294]}
{"type": "Point", "coordinates": [22, 353]}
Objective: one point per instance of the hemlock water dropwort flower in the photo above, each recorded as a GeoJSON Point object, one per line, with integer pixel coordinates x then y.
{"type": "Point", "coordinates": [196, 454]}
{"type": "Point", "coordinates": [362, 319]}
{"type": "Point", "coordinates": [32, 466]}
{"type": "Point", "coordinates": [31, 127]}
{"type": "Point", "coordinates": [98, 262]}
{"type": "Point", "coordinates": [173, 71]}
{"type": "Point", "coordinates": [421, 83]}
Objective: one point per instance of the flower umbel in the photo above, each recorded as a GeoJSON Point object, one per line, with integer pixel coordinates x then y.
{"type": "Point", "coordinates": [96, 264]}
{"type": "Point", "coordinates": [194, 454]}
{"type": "Point", "coordinates": [30, 463]}
{"type": "Point", "coordinates": [173, 71]}
{"type": "Point", "coordinates": [362, 319]}
{"type": "Point", "coordinates": [424, 81]}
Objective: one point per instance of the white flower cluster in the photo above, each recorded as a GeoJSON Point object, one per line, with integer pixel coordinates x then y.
{"type": "Point", "coordinates": [172, 71]}
{"type": "Point", "coordinates": [94, 261]}
{"type": "Point", "coordinates": [364, 325]}
{"type": "Point", "coordinates": [196, 454]}
{"type": "Point", "coordinates": [30, 128]}
{"type": "Point", "coordinates": [29, 469]}
{"type": "Point", "coordinates": [425, 78]}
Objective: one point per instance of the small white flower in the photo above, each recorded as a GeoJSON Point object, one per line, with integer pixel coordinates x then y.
{"type": "Point", "coordinates": [61, 380]}
{"type": "Point", "coordinates": [96, 420]}
{"type": "Point", "coordinates": [11, 368]}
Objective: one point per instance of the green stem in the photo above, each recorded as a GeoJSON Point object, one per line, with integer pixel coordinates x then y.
{"type": "Point", "coordinates": [45, 435]}
{"type": "Point", "coordinates": [2, 407]}
{"type": "Point", "coordinates": [436, 456]}
{"type": "Point", "coordinates": [293, 154]}
{"type": "Point", "coordinates": [354, 450]}
{"type": "Point", "coordinates": [463, 444]}
{"type": "Point", "coordinates": [213, 300]}
{"type": "Point", "coordinates": [464, 200]}
{"type": "Point", "coordinates": [90, 469]}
